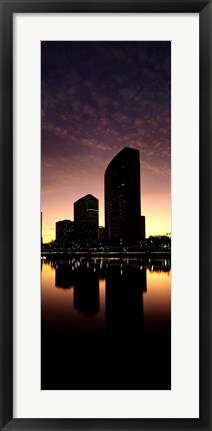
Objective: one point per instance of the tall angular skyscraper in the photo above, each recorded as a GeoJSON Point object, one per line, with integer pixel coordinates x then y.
{"type": "Point", "coordinates": [123, 221]}
{"type": "Point", "coordinates": [86, 220]}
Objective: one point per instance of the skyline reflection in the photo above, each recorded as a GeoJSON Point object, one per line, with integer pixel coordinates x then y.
{"type": "Point", "coordinates": [111, 309]}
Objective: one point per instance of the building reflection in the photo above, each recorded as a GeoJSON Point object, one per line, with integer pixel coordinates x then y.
{"type": "Point", "coordinates": [63, 276]}
{"type": "Point", "coordinates": [125, 286]}
{"type": "Point", "coordinates": [124, 304]}
{"type": "Point", "coordinates": [132, 357]}
{"type": "Point", "coordinates": [85, 283]}
{"type": "Point", "coordinates": [86, 292]}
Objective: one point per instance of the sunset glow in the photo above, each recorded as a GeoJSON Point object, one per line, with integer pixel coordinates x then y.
{"type": "Point", "coordinates": [97, 98]}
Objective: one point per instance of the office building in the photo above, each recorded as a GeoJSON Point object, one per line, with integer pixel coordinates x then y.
{"type": "Point", "coordinates": [124, 224]}
{"type": "Point", "coordinates": [101, 232]}
{"type": "Point", "coordinates": [65, 233]}
{"type": "Point", "coordinates": [86, 220]}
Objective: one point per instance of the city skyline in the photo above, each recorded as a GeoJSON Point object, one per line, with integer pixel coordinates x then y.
{"type": "Point", "coordinates": [98, 97]}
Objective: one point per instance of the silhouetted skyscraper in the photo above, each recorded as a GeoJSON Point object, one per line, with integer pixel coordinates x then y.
{"type": "Point", "coordinates": [86, 220]}
{"type": "Point", "coordinates": [123, 221]}
{"type": "Point", "coordinates": [64, 233]}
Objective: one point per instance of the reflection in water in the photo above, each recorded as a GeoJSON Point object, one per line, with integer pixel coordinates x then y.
{"type": "Point", "coordinates": [124, 303]}
{"type": "Point", "coordinates": [109, 313]}
{"type": "Point", "coordinates": [86, 292]}
{"type": "Point", "coordinates": [86, 286]}
{"type": "Point", "coordinates": [63, 276]}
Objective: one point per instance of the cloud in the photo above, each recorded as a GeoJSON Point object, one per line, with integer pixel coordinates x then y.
{"type": "Point", "coordinates": [89, 110]}
{"type": "Point", "coordinates": [56, 130]}
{"type": "Point", "coordinates": [98, 97]}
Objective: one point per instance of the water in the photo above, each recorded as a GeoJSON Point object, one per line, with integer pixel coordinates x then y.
{"type": "Point", "coordinates": [106, 324]}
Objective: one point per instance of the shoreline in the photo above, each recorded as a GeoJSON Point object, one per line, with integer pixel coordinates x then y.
{"type": "Point", "coordinates": [107, 255]}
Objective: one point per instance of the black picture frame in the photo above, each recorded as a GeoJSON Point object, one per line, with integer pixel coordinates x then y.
{"type": "Point", "coordinates": [8, 8]}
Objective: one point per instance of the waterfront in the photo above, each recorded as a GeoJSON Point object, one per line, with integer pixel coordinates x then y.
{"type": "Point", "coordinates": [106, 324]}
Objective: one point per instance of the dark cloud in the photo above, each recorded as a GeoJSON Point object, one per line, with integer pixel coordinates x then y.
{"type": "Point", "coordinates": [98, 97]}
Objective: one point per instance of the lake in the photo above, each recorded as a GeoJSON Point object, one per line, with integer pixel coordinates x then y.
{"type": "Point", "coordinates": [106, 324]}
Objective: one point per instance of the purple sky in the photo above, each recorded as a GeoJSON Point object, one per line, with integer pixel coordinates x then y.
{"type": "Point", "coordinates": [98, 97]}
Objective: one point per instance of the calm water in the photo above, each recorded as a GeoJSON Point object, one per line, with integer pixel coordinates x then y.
{"type": "Point", "coordinates": [106, 324]}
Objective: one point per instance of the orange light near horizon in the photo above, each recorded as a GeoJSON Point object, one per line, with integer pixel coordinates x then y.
{"type": "Point", "coordinates": [58, 309]}
{"type": "Point", "coordinates": [156, 208]}
{"type": "Point", "coordinates": [157, 300]}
